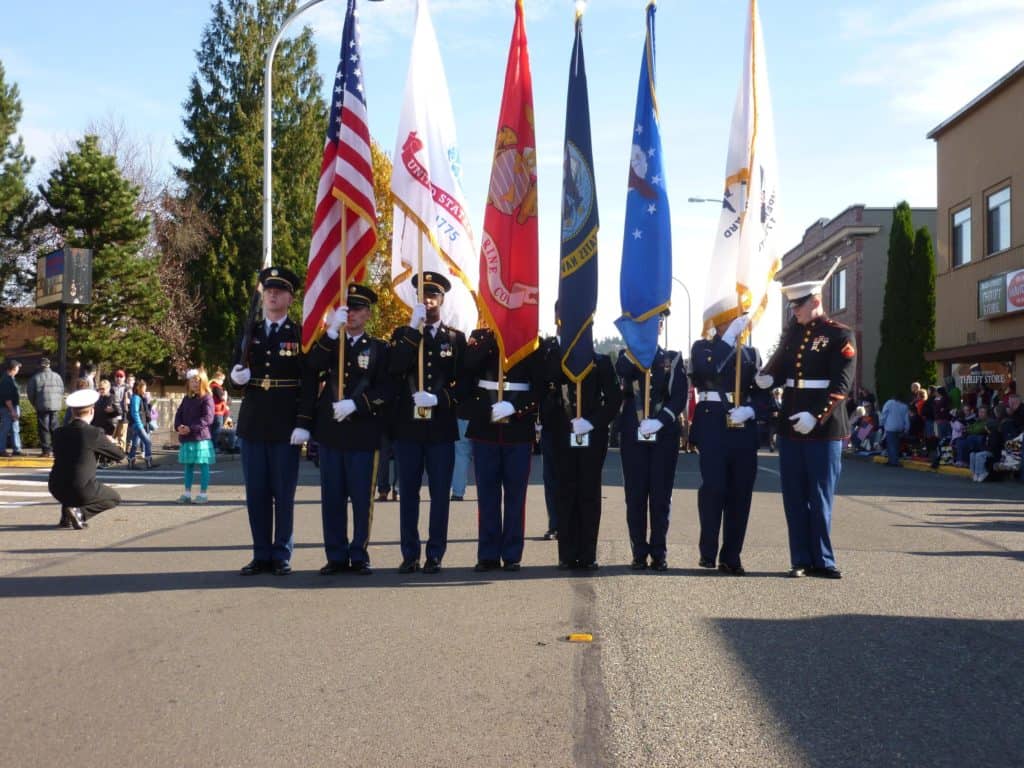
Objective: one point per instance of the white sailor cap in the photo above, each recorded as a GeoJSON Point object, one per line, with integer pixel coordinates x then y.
{"type": "Point", "coordinates": [83, 398]}
{"type": "Point", "coordinates": [797, 293]}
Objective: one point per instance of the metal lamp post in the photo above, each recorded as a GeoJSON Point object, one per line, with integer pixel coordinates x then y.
{"type": "Point", "coordinates": [689, 316]}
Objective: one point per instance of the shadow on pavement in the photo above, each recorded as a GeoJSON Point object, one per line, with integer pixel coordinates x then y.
{"type": "Point", "coordinates": [855, 690]}
{"type": "Point", "coordinates": [974, 553]}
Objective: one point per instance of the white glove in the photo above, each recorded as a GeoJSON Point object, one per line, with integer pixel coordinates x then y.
{"type": "Point", "coordinates": [419, 316]}
{"type": "Point", "coordinates": [650, 426]}
{"type": "Point", "coordinates": [339, 317]}
{"type": "Point", "coordinates": [581, 426]}
{"type": "Point", "coordinates": [299, 436]}
{"type": "Point", "coordinates": [424, 399]}
{"type": "Point", "coordinates": [803, 422]}
{"type": "Point", "coordinates": [741, 414]}
{"type": "Point", "coordinates": [764, 380]}
{"type": "Point", "coordinates": [735, 328]}
{"type": "Point", "coordinates": [343, 409]}
{"type": "Point", "coordinates": [502, 410]}
{"type": "Point", "coordinates": [240, 375]}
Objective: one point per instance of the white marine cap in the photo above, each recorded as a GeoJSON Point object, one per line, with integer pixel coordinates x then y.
{"type": "Point", "coordinates": [798, 293]}
{"type": "Point", "coordinates": [83, 398]}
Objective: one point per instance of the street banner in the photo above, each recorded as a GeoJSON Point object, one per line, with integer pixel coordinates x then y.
{"type": "Point", "coordinates": [577, 285]}
{"type": "Point", "coordinates": [430, 211]}
{"type": "Point", "coordinates": [645, 281]}
{"type": "Point", "coordinates": [747, 252]}
{"type": "Point", "coordinates": [508, 250]}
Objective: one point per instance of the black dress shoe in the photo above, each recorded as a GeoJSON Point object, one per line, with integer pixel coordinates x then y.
{"type": "Point", "coordinates": [639, 564]}
{"type": "Point", "coordinates": [511, 567]}
{"type": "Point", "coordinates": [282, 567]}
{"type": "Point", "coordinates": [831, 572]}
{"type": "Point", "coordinates": [456, 497]}
{"type": "Point", "coordinates": [254, 567]}
{"type": "Point", "coordinates": [565, 566]}
{"type": "Point", "coordinates": [362, 567]}
{"type": "Point", "coordinates": [333, 567]}
{"type": "Point", "coordinates": [486, 565]}
{"type": "Point", "coordinates": [732, 570]}
{"type": "Point", "coordinates": [409, 566]}
{"type": "Point", "coordinates": [705, 563]}
{"type": "Point", "coordinates": [76, 518]}
{"type": "Point", "coordinates": [797, 571]}
{"type": "Point", "coordinates": [659, 565]}
{"type": "Point", "coordinates": [591, 566]}
{"type": "Point", "coordinates": [550, 534]}
{"type": "Point", "coordinates": [430, 565]}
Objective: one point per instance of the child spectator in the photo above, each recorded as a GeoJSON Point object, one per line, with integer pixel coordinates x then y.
{"type": "Point", "coordinates": [192, 423]}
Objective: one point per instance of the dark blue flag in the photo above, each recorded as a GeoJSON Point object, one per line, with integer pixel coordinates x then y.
{"type": "Point", "coordinates": [645, 283]}
{"type": "Point", "coordinates": [577, 285]}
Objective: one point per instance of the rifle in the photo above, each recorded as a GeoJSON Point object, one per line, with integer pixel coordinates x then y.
{"type": "Point", "coordinates": [250, 321]}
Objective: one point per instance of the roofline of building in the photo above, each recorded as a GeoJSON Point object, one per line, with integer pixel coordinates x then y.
{"type": "Point", "coordinates": [826, 244]}
{"type": "Point", "coordinates": [977, 101]}
{"type": "Point", "coordinates": [974, 352]}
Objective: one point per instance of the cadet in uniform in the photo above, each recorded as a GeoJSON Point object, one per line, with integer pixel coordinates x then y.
{"type": "Point", "coordinates": [348, 429]}
{"type": "Point", "coordinates": [427, 442]}
{"type": "Point", "coordinates": [502, 433]}
{"type": "Point", "coordinates": [728, 455]}
{"type": "Point", "coordinates": [649, 468]}
{"type": "Point", "coordinates": [814, 362]}
{"type": "Point", "coordinates": [273, 423]}
{"type": "Point", "coordinates": [578, 467]}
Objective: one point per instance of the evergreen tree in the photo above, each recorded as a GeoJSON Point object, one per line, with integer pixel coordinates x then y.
{"type": "Point", "coordinates": [223, 151]}
{"type": "Point", "coordinates": [16, 200]}
{"type": "Point", "coordinates": [91, 205]}
{"type": "Point", "coordinates": [894, 367]}
{"type": "Point", "coordinates": [921, 331]}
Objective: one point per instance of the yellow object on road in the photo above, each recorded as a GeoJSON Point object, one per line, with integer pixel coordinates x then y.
{"type": "Point", "coordinates": [580, 637]}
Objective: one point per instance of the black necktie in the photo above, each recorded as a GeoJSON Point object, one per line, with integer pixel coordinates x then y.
{"type": "Point", "coordinates": [273, 329]}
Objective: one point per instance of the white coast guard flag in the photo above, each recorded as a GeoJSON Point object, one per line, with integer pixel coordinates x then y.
{"type": "Point", "coordinates": [426, 184]}
{"type": "Point", "coordinates": [746, 253]}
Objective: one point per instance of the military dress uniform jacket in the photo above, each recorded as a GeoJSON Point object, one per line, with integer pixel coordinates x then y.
{"type": "Point", "coordinates": [367, 384]}
{"type": "Point", "coordinates": [815, 365]}
{"type": "Point", "coordinates": [443, 357]}
{"type": "Point", "coordinates": [713, 369]}
{"type": "Point", "coordinates": [526, 379]}
{"type": "Point", "coordinates": [602, 398]}
{"type": "Point", "coordinates": [667, 398]}
{"type": "Point", "coordinates": [278, 397]}
{"type": "Point", "coordinates": [75, 450]}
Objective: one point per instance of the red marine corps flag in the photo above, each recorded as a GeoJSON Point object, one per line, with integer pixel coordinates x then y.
{"type": "Point", "coordinates": [508, 251]}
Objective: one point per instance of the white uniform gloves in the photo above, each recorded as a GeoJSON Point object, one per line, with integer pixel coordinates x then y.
{"type": "Point", "coordinates": [736, 327]}
{"type": "Point", "coordinates": [502, 410]}
{"type": "Point", "coordinates": [419, 316]}
{"type": "Point", "coordinates": [741, 414]}
{"type": "Point", "coordinates": [803, 422]}
{"type": "Point", "coordinates": [240, 375]}
{"type": "Point", "coordinates": [343, 409]}
{"type": "Point", "coordinates": [650, 426]}
{"type": "Point", "coordinates": [424, 399]}
{"type": "Point", "coordinates": [581, 426]}
{"type": "Point", "coordinates": [764, 380]}
{"type": "Point", "coordinates": [338, 318]}
{"type": "Point", "coordinates": [299, 436]}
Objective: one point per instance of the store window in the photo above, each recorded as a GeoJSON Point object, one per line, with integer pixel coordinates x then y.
{"type": "Point", "coordinates": [837, 292]}
{"type": "Point", "coordinates": [962, 237]}
{"type": "Point", "coordinates": [998, 221]}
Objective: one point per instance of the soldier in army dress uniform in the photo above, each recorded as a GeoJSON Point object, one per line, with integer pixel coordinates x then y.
{"type": "Point", "coordinates": [273, 423]}
{"type": "Point", "coordinates": [814, 362]}
{"type": "Point", "coordinates": [649, 466]}
{"type": "Point", "coordinates": [348, 429]}
{"type": "Point", "coordinates": [502, 433]}
{"type": "Point", "coordinates": [424, 420]}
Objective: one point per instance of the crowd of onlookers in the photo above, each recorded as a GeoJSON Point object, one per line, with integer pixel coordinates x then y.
{"type": "Point", "coordinates": [981, 428]}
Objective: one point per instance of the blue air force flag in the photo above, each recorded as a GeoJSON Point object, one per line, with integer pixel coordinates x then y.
{"type": "Point", "coordinates": [645, 283]}
{"type": "Point", "coordinates": [577, 285]}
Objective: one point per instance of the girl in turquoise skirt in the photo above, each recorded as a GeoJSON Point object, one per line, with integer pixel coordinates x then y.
{"type": "Point", "coordinates": [192, 423]}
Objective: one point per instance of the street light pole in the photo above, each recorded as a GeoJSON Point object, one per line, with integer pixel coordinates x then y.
{"type": "Point", "coordinates": [705, 200]}
{"type": "Point", "coordinates": [689, 316]}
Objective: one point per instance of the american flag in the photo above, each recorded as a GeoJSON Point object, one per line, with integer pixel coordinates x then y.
{"type": "Point", "coordinates": [345, 189]}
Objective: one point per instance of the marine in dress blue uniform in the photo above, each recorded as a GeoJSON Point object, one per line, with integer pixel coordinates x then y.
{"type": "Point", "coordinates": [273, 423]}
{"type": "Point", "coordinates": [814, 363]}
{"type": "Point", "coordinates": [502, 435]}
{"type": "Point", "coordinates": [348, 429]}
{"type": "Point", "coordinates": [728, 454]}
{"type": "Point", "coordinates": [426, 443]}
{"type": "Point", "coordinates": [649, 467]}
{"type": "Point", "coordinates": [578, 469]}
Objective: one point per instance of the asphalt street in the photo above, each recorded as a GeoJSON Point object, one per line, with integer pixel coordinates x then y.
{"type": "Point", "coordinates": [136, 642]}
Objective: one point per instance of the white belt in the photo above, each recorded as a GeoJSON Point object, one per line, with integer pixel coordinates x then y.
{"type": "Point", "coordinates": [508, 386]}
{"type": "Point", "coordinates": [809, 383]}
{"type": "Point", "coordinates": [713, 397]}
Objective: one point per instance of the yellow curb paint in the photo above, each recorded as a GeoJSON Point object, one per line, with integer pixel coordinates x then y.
{"type": "Point", "coordinates": [580, 637]}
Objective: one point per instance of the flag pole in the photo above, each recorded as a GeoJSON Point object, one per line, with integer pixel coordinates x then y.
{"type": "Point", "coordinates": [739, 366]}
{"type": "Point", "coordinates": [343, 279]}
{"type": "Point", "coordinates": [647, 393]}
{"type": "Point", "coordinates": [419, 298]}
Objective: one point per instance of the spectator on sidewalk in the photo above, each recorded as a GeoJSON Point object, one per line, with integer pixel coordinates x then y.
{"type": "Point", "coordinates": [140, 425]}
{"type": "Point", "coordinates": [46, 393]}
{"type": "Point", "coordinates": [107, 411]}
{"type": "Point", "coordinates": [896, 423]}
{"type": "Point", "coordinates": [118, 391]}
{"type": "Point", "coordinates": [192, 422]}
{"type": "Point", "coordinates": [10, 408]}
{"type": "Point", "coordinates": [221, 404]}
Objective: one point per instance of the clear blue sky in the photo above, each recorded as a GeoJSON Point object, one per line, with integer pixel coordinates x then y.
{"type": "Point", "coordinates": [855, 88]}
